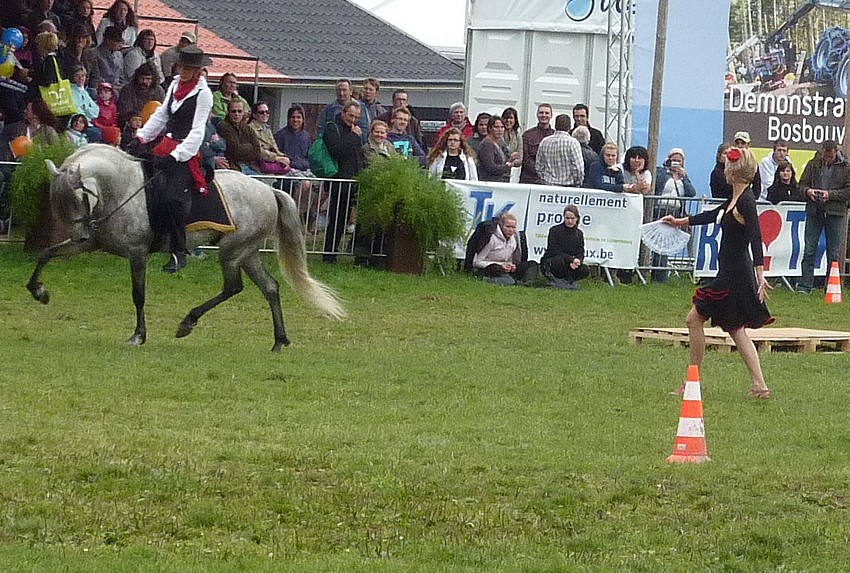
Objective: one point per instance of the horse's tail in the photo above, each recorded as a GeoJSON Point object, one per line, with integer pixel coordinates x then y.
{"type": "Point", "coordinates": [292, 257]}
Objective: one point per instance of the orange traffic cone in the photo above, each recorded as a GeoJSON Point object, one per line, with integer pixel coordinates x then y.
{"type": "Point", "coordinates": [833, 285]}
{"type": "Point", "coordinates": [690, 446]}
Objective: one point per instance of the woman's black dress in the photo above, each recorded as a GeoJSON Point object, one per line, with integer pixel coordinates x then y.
{"type": "Point", "coordinates": [731, 299]}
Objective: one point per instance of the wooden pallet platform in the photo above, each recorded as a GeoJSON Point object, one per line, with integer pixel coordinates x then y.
{"type": "Point", "coordinates": [765, 339]}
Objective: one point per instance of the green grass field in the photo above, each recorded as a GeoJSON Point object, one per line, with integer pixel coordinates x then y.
{"type": "Point", "coordinates": [447, 425]}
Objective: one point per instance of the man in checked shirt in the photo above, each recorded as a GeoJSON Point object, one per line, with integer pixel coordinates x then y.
{"type": "Point", "coordinates": [559, 158]}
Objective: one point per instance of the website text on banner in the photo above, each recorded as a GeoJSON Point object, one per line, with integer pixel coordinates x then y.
{"type": "Point", "coordinates": [782, 230]}
{"type": "Point", "coordinates": [610, 221]}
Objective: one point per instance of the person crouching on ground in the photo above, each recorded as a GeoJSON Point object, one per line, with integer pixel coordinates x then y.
{"type": "Point", "coordinates": [563, 262]}
{"type": "Point", "coordinates": [499, 254]}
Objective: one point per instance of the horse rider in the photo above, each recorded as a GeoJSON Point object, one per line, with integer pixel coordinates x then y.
{"type": "Point", "coordinates": [182, 118]}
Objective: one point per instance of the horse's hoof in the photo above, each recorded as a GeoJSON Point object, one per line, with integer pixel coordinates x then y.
{"type": "Point", "coordinates": [280, 343]}
{"type": "Point", "coordinates": [40, 294]}
{"type": "Point", "coordinates": [136, 340]}
{"type": "Point", "coordinates": [185, 327]}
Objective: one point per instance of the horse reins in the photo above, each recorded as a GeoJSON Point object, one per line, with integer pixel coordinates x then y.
{"type": "Point", "coordinates": [94, 223]}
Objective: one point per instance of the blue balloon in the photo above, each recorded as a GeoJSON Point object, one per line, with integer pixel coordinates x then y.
{"type": "Point", "coordinates": [13, 37]}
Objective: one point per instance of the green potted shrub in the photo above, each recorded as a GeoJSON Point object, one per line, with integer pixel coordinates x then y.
{"type": "Point", "coordinates": [415, 210]}
{"type": "Point", "coordinates": [30, 196]}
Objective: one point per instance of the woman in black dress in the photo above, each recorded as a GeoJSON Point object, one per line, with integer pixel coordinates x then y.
{"type": "Point", "coordinates": [734, 300]}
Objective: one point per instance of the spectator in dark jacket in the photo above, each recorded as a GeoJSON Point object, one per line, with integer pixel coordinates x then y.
{"type": "Point", "coordinates": [142, 88]}
{"type": "Point", "coordinates": [47, 44]}
{"type": "Point", "coordinates": [78, 52]}
{"type": "Point", "coordinates": [81, 17]}
{"type": "Point", "coordinates": [243, 149]}
{"type": "Point", "coordinates": [720, 188]}
{"type": "Point", "coordinates": [564, 256]}
{"type": "Point", "coordinates": [826, 185]}
{"type": "Point", "coordinates": [294, 141]}
{"type": "Point", "coordinates": [784, 187]}
{"type": "Point", "coordinates": [401, 99]}
{"type": "Point", "coordinates": [581, 117]}
{"type": "Point", "coordinates": [343, 138]}
{"type": "Point", "coordinates": [42, 11]}
{"type": "Point", "coordinates": [531, 139]}
{"type": "Point", "coordinates": [605, 174]}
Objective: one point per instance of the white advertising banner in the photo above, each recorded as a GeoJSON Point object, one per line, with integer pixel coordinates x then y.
{"type": "Point", "coordinates": [545, 15]}
{"type": "Point", "coordinates": [610, 222]}
{"type": "Point", "coordinates": [483, 200]}
{"type": "Point", "coordinates": [782, 231]}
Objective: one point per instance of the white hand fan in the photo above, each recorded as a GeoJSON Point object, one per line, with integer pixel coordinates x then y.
{"type": "Point", "coordinates": [663, 239]}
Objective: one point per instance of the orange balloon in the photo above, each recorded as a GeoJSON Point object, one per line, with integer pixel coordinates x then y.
{"type": "Point", "coordinates": [111, 135]}
{"type": "Point", "coordinates": [149, 109]}
{"type": "Point", "coordinates": [20, 146]}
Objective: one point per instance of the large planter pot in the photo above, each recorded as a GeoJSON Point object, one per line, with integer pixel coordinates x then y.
{"type": "Point", "coordinates": [405, 254]}
{"type": "Point", "coordinates": [47, 230]}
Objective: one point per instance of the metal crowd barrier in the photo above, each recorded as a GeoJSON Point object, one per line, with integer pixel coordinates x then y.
{"type": "Point", "coordinates": [6, 169]}
{"type": "Point", "coordinates": [328, 209]}
{"type": "Point", "coordinates": [660, 266]}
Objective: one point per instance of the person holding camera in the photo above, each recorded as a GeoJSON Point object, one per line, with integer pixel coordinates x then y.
{"type": "Point", "coordinates": [671, 184]}
{"type": "Point", "coordinates": [826, 185]}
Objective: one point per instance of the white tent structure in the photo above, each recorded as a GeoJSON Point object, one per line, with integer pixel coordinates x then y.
{"type": "Point", "coordinates": [522, 53]}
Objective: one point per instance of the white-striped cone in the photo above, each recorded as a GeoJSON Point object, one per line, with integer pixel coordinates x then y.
{"type": "Point", "coordinates": [690, 446]}
{"type": "Point", "coordinates": [833, 285]}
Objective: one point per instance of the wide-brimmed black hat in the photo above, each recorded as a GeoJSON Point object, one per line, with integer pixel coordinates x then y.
{"type": "Point", "coordinates": [193, 57]}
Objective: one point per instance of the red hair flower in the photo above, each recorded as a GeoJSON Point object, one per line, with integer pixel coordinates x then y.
{"type": "Point", "coordinates": [733, 154]}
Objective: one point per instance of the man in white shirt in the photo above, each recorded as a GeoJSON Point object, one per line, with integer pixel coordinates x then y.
{"type": "Point", "coordinates": [767, 166]}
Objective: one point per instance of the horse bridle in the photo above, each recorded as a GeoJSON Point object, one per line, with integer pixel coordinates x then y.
{"type": "Point", "coordinates": [88, 219]}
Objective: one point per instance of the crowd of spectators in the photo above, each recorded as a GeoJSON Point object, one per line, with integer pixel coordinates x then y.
{"type": "Point", "coordinates": [116, 70]}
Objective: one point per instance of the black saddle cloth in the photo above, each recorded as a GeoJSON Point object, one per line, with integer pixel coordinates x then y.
{"type": "Point", "coordinates": [207, 211]}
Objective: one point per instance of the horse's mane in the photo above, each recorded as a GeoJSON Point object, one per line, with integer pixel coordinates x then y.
{"type": "Point", "coordinates": [97, 150]}
{"type": "Point", "coordinates": [111, 167]}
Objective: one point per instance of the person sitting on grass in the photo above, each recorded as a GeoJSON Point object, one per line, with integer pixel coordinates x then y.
{"type": "Point", "coordinates": [563, 262]}
{"type": "Point", "coordinates": [497, 253]}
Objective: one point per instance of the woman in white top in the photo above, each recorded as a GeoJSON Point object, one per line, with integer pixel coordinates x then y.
{"type": "Point", "coordinates": [452, 158]}
{"type": "Point", "coordinates": [636, 172]}
{"type": "Point", "coordinates": [120, 15]}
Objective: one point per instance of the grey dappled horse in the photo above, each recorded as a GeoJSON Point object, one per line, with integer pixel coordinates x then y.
{"type": "Point", "coordinates": [99, 191]}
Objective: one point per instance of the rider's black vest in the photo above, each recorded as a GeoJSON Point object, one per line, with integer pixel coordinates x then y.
{"type": "Point", "coordinates": [180, 122]}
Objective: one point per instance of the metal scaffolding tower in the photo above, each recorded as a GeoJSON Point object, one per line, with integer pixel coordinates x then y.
{"type": "Point", "coordinates": [618, 75]}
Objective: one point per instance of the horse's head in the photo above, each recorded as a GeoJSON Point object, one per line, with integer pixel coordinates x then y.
{"type": "Point", "coordinates": [74, 199]}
